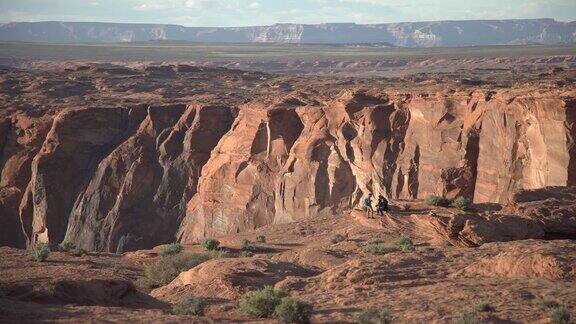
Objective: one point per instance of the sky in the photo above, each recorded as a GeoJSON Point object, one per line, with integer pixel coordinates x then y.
{"type": "Point", "coordinates": [266, 12]}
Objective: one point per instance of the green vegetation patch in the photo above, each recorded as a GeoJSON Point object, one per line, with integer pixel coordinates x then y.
{"type": "Point", "coordinates": [190, 306]}
{"type": "Point", "coordinates": [261, 303]}
{"type": "Point", "coordinates": [405, 244]}
{"type": "Point", "coordinates": [378, 247]}
{"type": "Point", "coordinates": [66, 246]}
{"type": "Point", "coordinates": [167, 268]}
{"type": "Point", "coordinates": [462, 203]}
{"type": "Point", "coordinates": [170, 249]}
{"type": "Point", "coordinates": [373, 316]}
{"type": "Point", "coordinates": [40, 251]}
{"type": "Point", "coordinates": [211, 244]}
{"type": "Point", "coordinates": [292, 310]}
{"type": "Point", "coordinates": [437, 201]}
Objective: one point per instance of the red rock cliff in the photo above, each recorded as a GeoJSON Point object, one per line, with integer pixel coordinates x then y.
{"type": "Point", "coordinates": [143, 176]}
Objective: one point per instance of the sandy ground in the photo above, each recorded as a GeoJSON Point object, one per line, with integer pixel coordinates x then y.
{"type": "Point", "coordinates": [436, 283]}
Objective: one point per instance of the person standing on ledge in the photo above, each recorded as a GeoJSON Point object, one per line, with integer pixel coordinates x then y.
{"type": "Point", "coordinates": [368, 206]}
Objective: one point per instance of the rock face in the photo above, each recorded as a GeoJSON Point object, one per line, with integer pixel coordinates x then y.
{"type": "Point", "coordinates": [20, 140]}
{"type": "Point", "coordinates": [134, 177]}
{"type": "Point", "coordinates": [400, 147]}
{"type": "Point", "coordinates": [137, 193]}
{"type": "Point", "coordinates": [411, 34]}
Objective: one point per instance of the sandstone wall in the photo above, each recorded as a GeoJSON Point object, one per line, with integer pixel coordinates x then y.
{"type": "Point", "coordinates": [129, 178]}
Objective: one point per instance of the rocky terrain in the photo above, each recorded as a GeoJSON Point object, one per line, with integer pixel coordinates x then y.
{"type": "Point", "coordinates": [118, 159]}
{"type": "Point", "coordinates": [410, 34]}
{"type": "Point", "coordinates": [501, 69]}
{"type": "Point", "coordinates": [99, 154]}
{"type": "Point", "coordinates": [501, 65]}
{"type": "Point", "coordinates": [435, 283]}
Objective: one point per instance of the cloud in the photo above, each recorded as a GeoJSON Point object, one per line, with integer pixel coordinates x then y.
{"type": "Point", "coordinates": [258, 12]}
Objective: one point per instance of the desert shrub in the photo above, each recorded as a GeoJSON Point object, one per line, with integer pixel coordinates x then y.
{"type": "Point", "coordinates": [337, 238]}
{"type": "Point", "coordinates": [469, 317]}
{"type": "Point", "coordinates": [247, 245]}
{"type": "Point", "coordinates": [381, 248]}
{"type": "Point", "coordinates": [261, 239]}
{"type": "Point", "coordinates": [462, 203]}
{"type": "Point", "coordinates": [559, 315]}
{"type": "Point", "coordinates": [41, 251]}
{"type": "Point", "coordinates": [79, 252]}
{"type": "Point", "coordinates": [484, 307]}
{"type": "Point", "coordinates": [190, 306]}
{"type": "Point", "coordinates": [167, 268]}
{"type": "Point", "coordinates": [218, 254]}
{"type": "Point", "coordinates": [436, 201]}
{"type": "Point", "coordinates": [261, 303]}
{"type": "Point", "coordinates": [66, 246]}
{"type": "Point", "coordinates": [405, 244]}
{"type": "Point", "coordinates": [211, 244]}
{"type": "Point", "coordinates": [246, 254]}
{"type": "Point", "coordinates": [550, 303]}
{"type": "Point", "coordinates": [170, 249]}
{"type": "Point", "coordinates": [143, 283]}
{"type": "Point", "coordinates": [372, 316]}
{"type": "Point", "coordinates": [291, 310]}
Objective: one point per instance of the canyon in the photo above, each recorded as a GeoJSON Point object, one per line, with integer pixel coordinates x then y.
{"type": "Point", "coordinates": [114, 157]}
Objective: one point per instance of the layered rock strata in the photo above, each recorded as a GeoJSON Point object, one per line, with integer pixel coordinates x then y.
{"type": "Point", "coordinates": [134, 177]}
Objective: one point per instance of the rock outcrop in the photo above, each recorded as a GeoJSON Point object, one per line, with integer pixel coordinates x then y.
{"type": "Point", "coordinates": [228, 278]}
{"type": "Point", "coordinates": [548, 213]}
{"type": "Point", "coordinates": [534, 260]}
{"type": "Point", "coordinates": [554, 209]}
{"type": "Point", "coordinates": [402, 147]}
{"type": "Point", "coordinates": [131, 177]}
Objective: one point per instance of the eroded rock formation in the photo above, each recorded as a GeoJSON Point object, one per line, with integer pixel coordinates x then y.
{"type": "Point", "coordinates": [140, 175]}
{"type": "Point", "coordinates": [394, 144]}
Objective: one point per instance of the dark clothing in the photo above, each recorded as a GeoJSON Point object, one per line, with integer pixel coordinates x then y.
{"type": "Point", "coordinates": [382, 205]}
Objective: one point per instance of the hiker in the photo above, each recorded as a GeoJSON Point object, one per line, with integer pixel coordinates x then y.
{"type": "Point", "coordinates": [368, 206]}
{"type": "Point", "coordinates": [382, 205]}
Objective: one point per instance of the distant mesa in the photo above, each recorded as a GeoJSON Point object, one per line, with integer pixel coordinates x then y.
{"type": "Point", "coordinates": [410, 34]}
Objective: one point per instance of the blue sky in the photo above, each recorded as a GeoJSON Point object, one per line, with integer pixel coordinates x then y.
{"type": "Point", "coordinates": [265, 12]}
